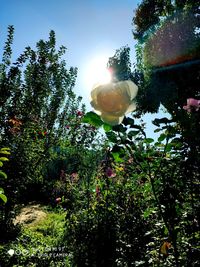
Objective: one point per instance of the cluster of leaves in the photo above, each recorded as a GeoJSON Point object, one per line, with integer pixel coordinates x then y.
{"type": "Point", "coordinates": [167, 52]}
{"type": "Point", "coordinates": [150, 187]}
{"type": "Point", "coordinates": [39, 244]}
{"type": "Point", "coordinates": [130, 200]}
{"type": "Point", "coordinates": [102, 221]}
{"type": "Point", "coordinates": [3, 151]}
{"type": "Point", "coordinates": [39, 113]}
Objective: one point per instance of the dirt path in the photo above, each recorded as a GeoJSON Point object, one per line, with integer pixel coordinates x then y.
{"type": "Point", "coordinates": [30, 215]}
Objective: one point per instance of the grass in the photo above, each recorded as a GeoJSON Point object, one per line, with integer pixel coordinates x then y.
{"type": "Point", "coordinates": [39, 244]}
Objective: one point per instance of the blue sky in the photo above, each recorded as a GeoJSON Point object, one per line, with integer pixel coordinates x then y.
{"type": "Point", "coordinates": [88, 28]}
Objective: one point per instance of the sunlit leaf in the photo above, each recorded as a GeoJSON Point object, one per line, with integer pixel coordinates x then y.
{"type": "Point", "coordinates": [3, 175]}
{"type": "Point", "coordinates": [1, 190]}
{"type": "Point", "coordinates": [4, 152]}
{"type": "Point", "coordinates": [148, 212]}
{"type": "Point", "coordinates": [93, 119]}
{"type": "Point", "coordinates": [117, 157]}
{"type": "Point", "coordinates": [4, 148]}
{"type": "Point", "coordinates": [3, 197]}
{"type": "Point", "coordinates": [107, 127]}
{"type": "Point", "coordinates": [3, 159]}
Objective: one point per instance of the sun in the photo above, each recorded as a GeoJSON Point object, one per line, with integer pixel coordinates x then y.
{"type": "Point", "coordinates": [97, 72]}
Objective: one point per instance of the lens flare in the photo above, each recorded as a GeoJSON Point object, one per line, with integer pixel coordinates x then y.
{"type": "Point", "coordinates": [173, 42]}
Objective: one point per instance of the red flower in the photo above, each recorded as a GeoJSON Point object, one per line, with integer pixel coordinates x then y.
{"type": "Point", "coordinates": [79, 113]}
{"type": "Point", "coordinates": [110, 173]}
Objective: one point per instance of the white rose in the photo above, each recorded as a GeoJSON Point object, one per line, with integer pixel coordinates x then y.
{"type": "Point", "coordinates": [113, 101]}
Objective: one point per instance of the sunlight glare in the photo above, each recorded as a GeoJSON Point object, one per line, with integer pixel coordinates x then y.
{"type": "Point", "coordinates": [97, 72]}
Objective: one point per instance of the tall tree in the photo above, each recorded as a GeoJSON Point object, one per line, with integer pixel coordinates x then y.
{"type": "Point", "coordinates": [168, 56]}
{"type": "Point", "coordinates": [37, 102]}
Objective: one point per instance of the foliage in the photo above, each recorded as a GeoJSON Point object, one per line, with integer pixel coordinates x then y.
{"type": "Point", "coordinates": [121, 67]}
{"type": "Point", "coordinates": [39, 112]}
{"type": "Point", "coordinates": [68, 168]}
{"type": "Point", "coordinates": [3, 151]}
{"type": "Point", "coordinates": [36, 96]}
{"type": "Point", "coordinates": [149, 181]}
{"type": "Point", "coordinates": [167, 53]}
{"type": "Point", "coordinates": [39, 244]}
{"type": "Point", "coordinates": [123, 200]}
{"type": "Point", "coordinates": [102, 224]}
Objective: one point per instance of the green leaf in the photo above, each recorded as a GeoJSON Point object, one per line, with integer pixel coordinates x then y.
{"type": "Point", "coordinates": [107, 127]}
{"type": "Point", "coordinates": [157, 130]}
{"type": "Point", "coordinates": [158, 144]}
{"type": "Point", "coordinates": [1, 164]}
{"type": "Point", "coordinates": [112, 137]}
{"type": "Point", "coordinates": [149, 140]}
{"type": "Point", "coordinates": [132, 134]}
{"type": "Point", "coordinates": [166, 232]}
{"type": "Point", "coordinates": [148, 212]}
{"type": "Point", "coordinates": [117, 157]}
{"type": "Point", "coordinates": [3, 197]}
{"type": "Point", "coordinates": [3, 175]}
{"type": "Point", "coordinates": [4, 152]}
{"type": "Point", "coordinates": [118, 153]}
{"type": "Point", "coordinates": [4, 148]}
{"type": "Point", "coordinates": [3, 159]}
{"type": "Point", "coordinates": [162, 137]}
{"type": "Point", "coordinates": [93, 119]}
{"type": "Point", "coordinates": [119, 128]}
{"type": "Point", "coordinates": [1, 190]}
{"type": "Point", "coordinates": [164, 120]}
{"type": "Point", "coordinates": [128, 121]}
{"type": "Point", "coordinates": [168, 147]}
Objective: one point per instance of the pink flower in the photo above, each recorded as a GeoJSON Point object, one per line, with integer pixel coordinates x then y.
{"type": "Point", "coordinates": [58, 199]}
{"type": "Point", "coordinates": [110, 173]}
{"type": "Point", "coordinates": [130, 160]}
{"type": "Point", "coordinates": [74, 174]}
{"type": "Point", "coordinates": [67, 126]}
{"type": "Point", "coordinates": [192, 103]}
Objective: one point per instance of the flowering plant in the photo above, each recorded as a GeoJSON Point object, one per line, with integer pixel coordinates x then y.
{"type": "Point", "coordinates": [192, 103]}
{"type": "Point", "coordinates": [113, 101]}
